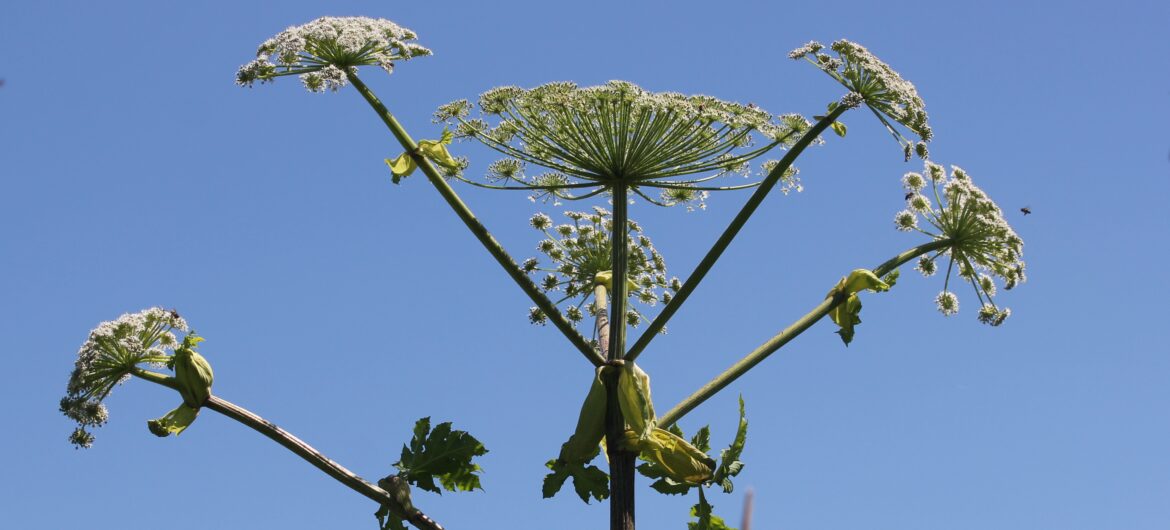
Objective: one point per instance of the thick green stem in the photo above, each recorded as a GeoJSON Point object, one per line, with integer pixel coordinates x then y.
{"type": "Point", "coordinates": [489, 242]}
{"type": "Point", "coordinates": [775, 343]}
{"type": "Point", "coordinates": [621, 463]}
{"type": "Point", "coordinates": [298, 447]}
{"type": "Point", "coordinates": [731, 231]}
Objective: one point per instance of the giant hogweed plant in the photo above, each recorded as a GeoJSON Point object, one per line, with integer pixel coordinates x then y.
{"type": "Point", "coordinates": [561, 142]}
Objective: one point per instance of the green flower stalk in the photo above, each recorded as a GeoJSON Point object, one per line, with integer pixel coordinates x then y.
{"type": "Point", "coordinates": [579, 255]}
{"type": "Point", "coordinates": [887, 94]}
{"type": "Point", "coordinates": [113, 351]}
{"type": "Point", "coordinates": [594, 139]}
{"type": "Point", "coordinates": [981, 245]}
{"type": "Point", "coordinates": [325, 50]}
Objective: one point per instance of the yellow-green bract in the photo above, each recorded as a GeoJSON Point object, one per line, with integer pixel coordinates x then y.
{"type": "Point", "coordinates": [582, 445]}
{"type": "Point", "coordinates": [634, 400]}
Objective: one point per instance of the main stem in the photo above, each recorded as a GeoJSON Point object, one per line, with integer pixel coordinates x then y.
{"type": "Point", "coordinates": [775, 343]}
{"type": "Point", "coordinates": [298, 447]}
{"type": "Point", "coordinates": [489, 242]}
{"type": "Point", "coordinates": [621, 463]}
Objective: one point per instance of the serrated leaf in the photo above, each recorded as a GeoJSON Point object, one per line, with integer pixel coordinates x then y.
{"type": "Point", "coordinates": [676, 430]}
{"type": "Point", "coordinates": [664, 484]}
{"type": "Point", "coordinates": [706, 519]}
{"type": "Point", "coordinates": [589, 482]}
{"type": "Point", "coordinates": [729, 463]}
{"type": "Point", "coordinates": [702, 439]}
{"type": "Point", "coordinates": [839, 128]}
{"type": "Point", "coordinates": [555, 480]}
{"type": "Point", "coordinates": [442, 453]}
{"type": "Point", "coordinates": [891, 278]}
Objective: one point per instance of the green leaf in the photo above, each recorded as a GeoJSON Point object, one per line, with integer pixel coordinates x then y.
{"type": "Point", "coordinates": [891, 278]}
{"type": "Point", "coordinates": [664, 485]}
{"type": "Point", "coordinates": [588, 482]}
{"type": "Point", "coordinates": [442, 453]}
{"type": "Point", "coordinates": [706, 519]}
{"type": "Point", "coordinates": [839, 128]}
{"type": "Point", "coordinates": [702, 439]}
{"type": "Point", "coordinates": [387, 520]}
{"type": "Point", "coordinates": [729, 462]}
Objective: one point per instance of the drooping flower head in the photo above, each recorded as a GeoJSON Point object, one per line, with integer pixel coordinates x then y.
{"type": "Point", "coordinates": [579, 250]}
{"type": "Point", "coordinates": [981, 246]}
{"type": "Point", "coordinates": [324, 50]}
{"type": "Point", "coordinates": [881, 88]}
{"type": "Point", "coordinates": [106, 359]}
{"type": "Point", "coordinates": [594, 139]}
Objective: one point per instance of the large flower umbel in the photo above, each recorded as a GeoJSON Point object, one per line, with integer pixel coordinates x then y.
{"type": "Point", "coordinates": [112, 351]}
{"type": "Point", "coordinates": [880, 87]}
{"type": "Point", "coordinates": [981, 246]}
{"type": "Point", "coordinates": [597, 138]}
{"type": "Point", "coordinates": [580, 250]}
{"type": "Point", "coordinates": [323, 51]}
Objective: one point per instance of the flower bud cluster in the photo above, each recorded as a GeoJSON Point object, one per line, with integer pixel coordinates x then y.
{"type": "Point", "coordinates": [577, 251]}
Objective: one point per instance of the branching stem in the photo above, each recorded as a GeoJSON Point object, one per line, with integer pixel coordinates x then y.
{"type": "Point", "coordinates": [775, 343]}
{"type": "Point", "coordinates": [298, 447]}
{"type": "Point", "coordinates": [731, 231]}
{"type": "Point", "coordinates": [489, 242]}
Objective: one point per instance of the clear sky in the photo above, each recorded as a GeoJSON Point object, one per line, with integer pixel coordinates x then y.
{"type": "Point", "coordinates": [134, 173]}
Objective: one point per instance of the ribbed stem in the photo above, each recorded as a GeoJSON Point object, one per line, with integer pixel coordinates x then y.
{"type": "Point", "coordinates": [731, 231]}
{"type": "Point", "coordinates": [298, 447]}
{"type": "Point", "coordinates": [775, 343]}
{"type": "Point", "coordinates": [489, 242]}
{"type": "Point", "coordinates": [621, 463]}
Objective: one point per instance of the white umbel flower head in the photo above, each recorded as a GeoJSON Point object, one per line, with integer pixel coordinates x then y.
{"type": "Point", "coordinates": [594, 139]}
{"type": "Point", "coordinates": [106, 359]}
{"type": "Point", "coordinates": [979, 244]}
{"type": "Point", "coordinates": [577, 251]}
{"type": "Point", "coordinates": [324, 51]}
{"type": "Point", "coordinates": [881, 88]}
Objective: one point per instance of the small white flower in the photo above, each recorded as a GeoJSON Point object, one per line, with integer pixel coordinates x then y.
{"type": "Point", "coordinates": [948, 303]}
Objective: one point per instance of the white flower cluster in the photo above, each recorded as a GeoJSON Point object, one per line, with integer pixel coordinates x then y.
{"type": "Point", "coordinates": [620, 134]}
{"type": "Point", "coordinates": [980, 243]}
{"type": "Point", "coordinates": [579, 250]}
{"type": "Point", "coordinates": [107, 358]}
{"type": "Point", "coordinates": [325, 50]}
{"type": "Point", "coordinates": [879, 85]}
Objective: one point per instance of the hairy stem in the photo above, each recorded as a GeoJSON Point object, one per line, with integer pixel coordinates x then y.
{"type": "Point", "coordinates": [731, 231]}
{"type": "Point", "coordinates": [775, 343]}
{"type": "Point", "coordinates": [489, 242]}
{"type": "Point", "coordinates": [298, 447]}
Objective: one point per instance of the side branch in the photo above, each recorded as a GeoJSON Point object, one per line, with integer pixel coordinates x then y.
{"type": "Point", "coordinates": [300, 448]}
{"type": "Point", "coordinates": [775, 343]}
{"type": "Point", "coordinates": [489, 242]}
{"type": "Point", "coordinates": [731, 231]}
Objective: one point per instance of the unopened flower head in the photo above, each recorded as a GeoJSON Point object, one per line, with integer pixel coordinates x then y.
{"type": "Point", "coordinates": [980, 246]}
{"type": "Point", "coordinates": [880, 86]}
{"type": "Point", "coordinates": [107, 358]}
{"type": "Point", "coordinates": [580, 249]}
{"type": "Point", "coordinates": [325, 51]}
{"type": "Point", "coordinates": [597, 138]}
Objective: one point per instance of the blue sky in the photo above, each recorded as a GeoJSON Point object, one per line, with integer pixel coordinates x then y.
{"type": "Point", "coordinates": [342, 307]}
